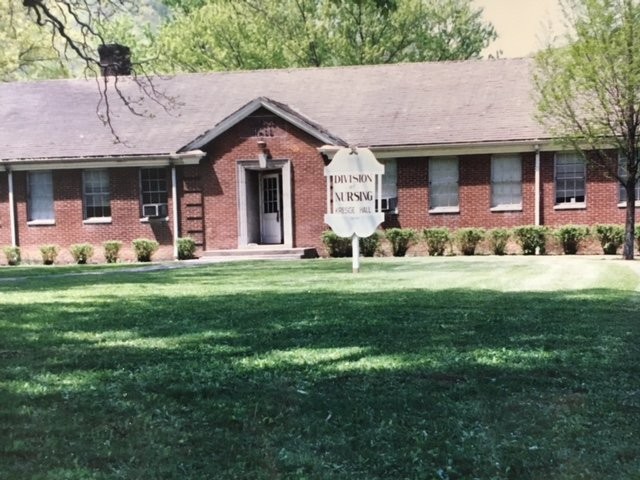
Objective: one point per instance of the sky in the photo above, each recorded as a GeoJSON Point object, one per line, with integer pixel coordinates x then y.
{"type": "Point", "coordinates": [523, 26]}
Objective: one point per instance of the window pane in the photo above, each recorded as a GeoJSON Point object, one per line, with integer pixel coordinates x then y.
{"type": "Point", "coordinates": [506, 180]}
{"type": "Point", "coordinates": [153, 182]}
{"type": "Point", "coordinates": [443, 182]}
{"type": "Point", "coordinates": [622, 171]}
{"type": "Point", "coordinates": [40, 185]}
{"type": "Point", "coordinates": [570, 178]}
{"type": "Point", "coordinates": [390, 179]}
{"type": "Point", "coordinates": [97, 201]}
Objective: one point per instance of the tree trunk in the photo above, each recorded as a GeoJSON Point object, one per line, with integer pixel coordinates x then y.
{"type": "Point", "coordinates": [630, 221]}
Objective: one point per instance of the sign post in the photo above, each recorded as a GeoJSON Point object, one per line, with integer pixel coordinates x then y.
{"type": "Point", "coordinates": [354, 191]}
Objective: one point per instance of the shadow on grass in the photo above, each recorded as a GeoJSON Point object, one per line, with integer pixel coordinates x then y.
{"type": "Point", "coordinates": [396, 384]}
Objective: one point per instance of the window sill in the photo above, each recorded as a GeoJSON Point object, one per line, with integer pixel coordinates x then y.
{"type": "Point", "coordinates": [624, 204]}
{"type": "Point", "coordinates": [40, 223]}
{"type": "Point", "coordinates": [445, 210]}
{"type": "Point", "coordinates": [506, 208]}
{"type": "Point", "coordinates": [154, 219]}
{"type": "Point", "coordinates": [570, 206]}
{"type": "Point", "coordinates": [97, 220]}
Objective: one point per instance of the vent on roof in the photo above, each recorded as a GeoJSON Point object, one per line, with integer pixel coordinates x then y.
{"type": "Point", "coordinates": [115, 60]}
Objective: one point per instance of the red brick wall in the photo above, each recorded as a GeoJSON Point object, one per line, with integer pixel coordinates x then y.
{"type": "Point", "coordinates": [474, 195]}
{"type": "Point", "coordinates": [68, 207]}
{"type": "Point", "coordinates": [209, 196]}
{"type": "Point", "coordinates": [219, 179]}
{"type": "Point", "coordinates": [601, 197]}
{"type": "Point", "coordinates": [5, 226]}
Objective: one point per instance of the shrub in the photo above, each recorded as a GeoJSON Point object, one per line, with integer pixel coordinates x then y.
{"type": "Point", "coordinates": [570, 237]}
{"type": "Point", "coordinates": [401, 239]}
{"type": "Point", "coordinates": [610, 237]}
{"type": "Point", "coordinates": [186, 248]}
{"type": "Point", "coordinates": [111, 250]}
{"type": "Point", "coordinates": [531, 238]}
{"type": "Point", "coordinates": [336, 246]}
{"type": "Point", "coordinates": [144, 249]}
{"type": "Point", "coordinates": [468, 239]}
{"type": "Point", "coordinates": [369, 245]}
{"type": "Point", "coordinates": [437, 240]}
{"type": "Point", "coordinates": [498, 238]}
{"type": "Point", "coordinates": [637, 231]}
{"type": "Point", "coordinates": [49, 253]}
{"type": "Point", "coordinates": [81, 252]}
{"type": "Point", "coordinates": [13, 255]}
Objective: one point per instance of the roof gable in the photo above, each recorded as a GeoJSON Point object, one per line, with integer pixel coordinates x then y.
{"type": "Point", "coordinates": [279, 109]}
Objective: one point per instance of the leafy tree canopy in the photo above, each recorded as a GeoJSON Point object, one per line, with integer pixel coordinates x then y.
{"type": "Point", "coordinates": [253, 34]}
{"type": "Point", "coordinates": [27, 51]}
{"type": "Point", "coordinates": [589, 90]}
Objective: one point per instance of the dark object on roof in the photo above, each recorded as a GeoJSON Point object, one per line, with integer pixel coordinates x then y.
{"type": "Point", "coordinates": [115, 60]}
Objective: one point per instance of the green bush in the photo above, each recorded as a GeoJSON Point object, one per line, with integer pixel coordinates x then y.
{"type": "Point", "coordinates": [186, 248]}
{"type": "Point", "coordinates": [369, 245]}
{"type": "Point", "coordinates": [570, 237]}
{"type": "Point", "coordinates": [81, 252]}
{"type": "Point", "coordinates": [401, 239]}
{"type": "Point", "coordinates": [111, 250]}
{"type": "Point", "coordinates": [336, 246]}
{"type": "Point", "coordinates": [498, 239]}
{"type": "Point", "coordinates": [437, 240]}
{"type": "Point", "coordinates": [468, 239]}
{"type": "Point", "coordinates": [13, 255]}
{"type": "Point", "coordinates": [531, 238]}
{"type": "Point", "coordinates": [144, 249]}
{"type": "Point", "coordinates": [49, 253]}
{"type": "Point", "coordinates": [637, 232]}
{"type": "Point", "coordinates": [610, 237]}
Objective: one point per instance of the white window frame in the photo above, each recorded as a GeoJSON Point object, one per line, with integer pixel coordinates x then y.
{"type": "Point", "coordinates": [622, 192]}
{"type": "Point", "coordinates": [511, 182]}
{"type": "Point", "coordinates": [40, 198]}
{"type": "Point", "coordinates": [452, 205]}
{"type": "Point", "coordinates": [572, 202]}
{"type": "Point", "coordinates": [95, 188]}
{"type": "Point", "coordinates": [151, 192]}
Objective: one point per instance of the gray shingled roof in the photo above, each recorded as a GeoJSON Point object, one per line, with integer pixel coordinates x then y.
{"type": "Point", "coordinates": [472, 101]}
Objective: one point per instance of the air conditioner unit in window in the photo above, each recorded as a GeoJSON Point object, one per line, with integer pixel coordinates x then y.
{"type": "Point", "coordinates": [152, 210]}
{"type": "Point", "coordinates": [387, 204]}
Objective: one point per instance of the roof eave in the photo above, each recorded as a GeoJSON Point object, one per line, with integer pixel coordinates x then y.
{"type": "Point", "coordinates": [192, 157]}
{"type": "Point", "coordinates": [467, 148]}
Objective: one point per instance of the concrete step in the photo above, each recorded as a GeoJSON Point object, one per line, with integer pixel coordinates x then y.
{"type": "Point", "coordinates": [263, 252]}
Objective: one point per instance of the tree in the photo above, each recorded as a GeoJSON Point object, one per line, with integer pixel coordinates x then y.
{"type": "Point", "coordinates": [253, 34]}
{"type": "Point", "coordinates": [589, 91]}
{"type": "Point", "coordinates": [26, 50]}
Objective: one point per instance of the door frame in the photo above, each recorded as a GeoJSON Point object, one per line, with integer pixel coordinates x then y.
{"type": "Point", "coordinates": [277, 174]}
{"type": "Point", "coordinates": [287, 204]}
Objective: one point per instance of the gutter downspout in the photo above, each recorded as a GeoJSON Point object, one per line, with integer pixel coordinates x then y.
{"type": "Point", "coordinates": [12, 209]}
{"type": "Point", "coordinates": [538, 206]}
{"type": "Point", "coordinates": [174, 199]}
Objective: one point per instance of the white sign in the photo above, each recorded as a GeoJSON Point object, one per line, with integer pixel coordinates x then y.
{"type": "Point", "coordinates": [354, 187]}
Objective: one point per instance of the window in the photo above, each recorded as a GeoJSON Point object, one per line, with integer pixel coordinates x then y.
{"type": "Point", "coordinates": [443, 184]}
{"type": "Point", "coordinates": [570, 178]}
{"type": "Point", "coordinates": [40, 188]}
{"type": "Point", "coordinates": [622, 171]}
{"type": "Point", "coordinates": [390, 186]}
{"type": "Point", "coordinates": [506, 182]}
{"type": "Point", "coordinates": [97, 202]}
{"type": "Point", "coordinates": [154, 192]}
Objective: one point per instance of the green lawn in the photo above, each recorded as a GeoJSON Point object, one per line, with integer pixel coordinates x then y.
{"type": "Point", "coordinates": [424, 368]}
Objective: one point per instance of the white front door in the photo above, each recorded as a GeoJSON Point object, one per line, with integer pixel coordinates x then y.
{"type": "Point", "coordinates": [270, 209]}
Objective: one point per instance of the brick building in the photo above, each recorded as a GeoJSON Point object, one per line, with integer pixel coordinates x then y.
{"type": "Point", "coordinates": [235, 160]}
